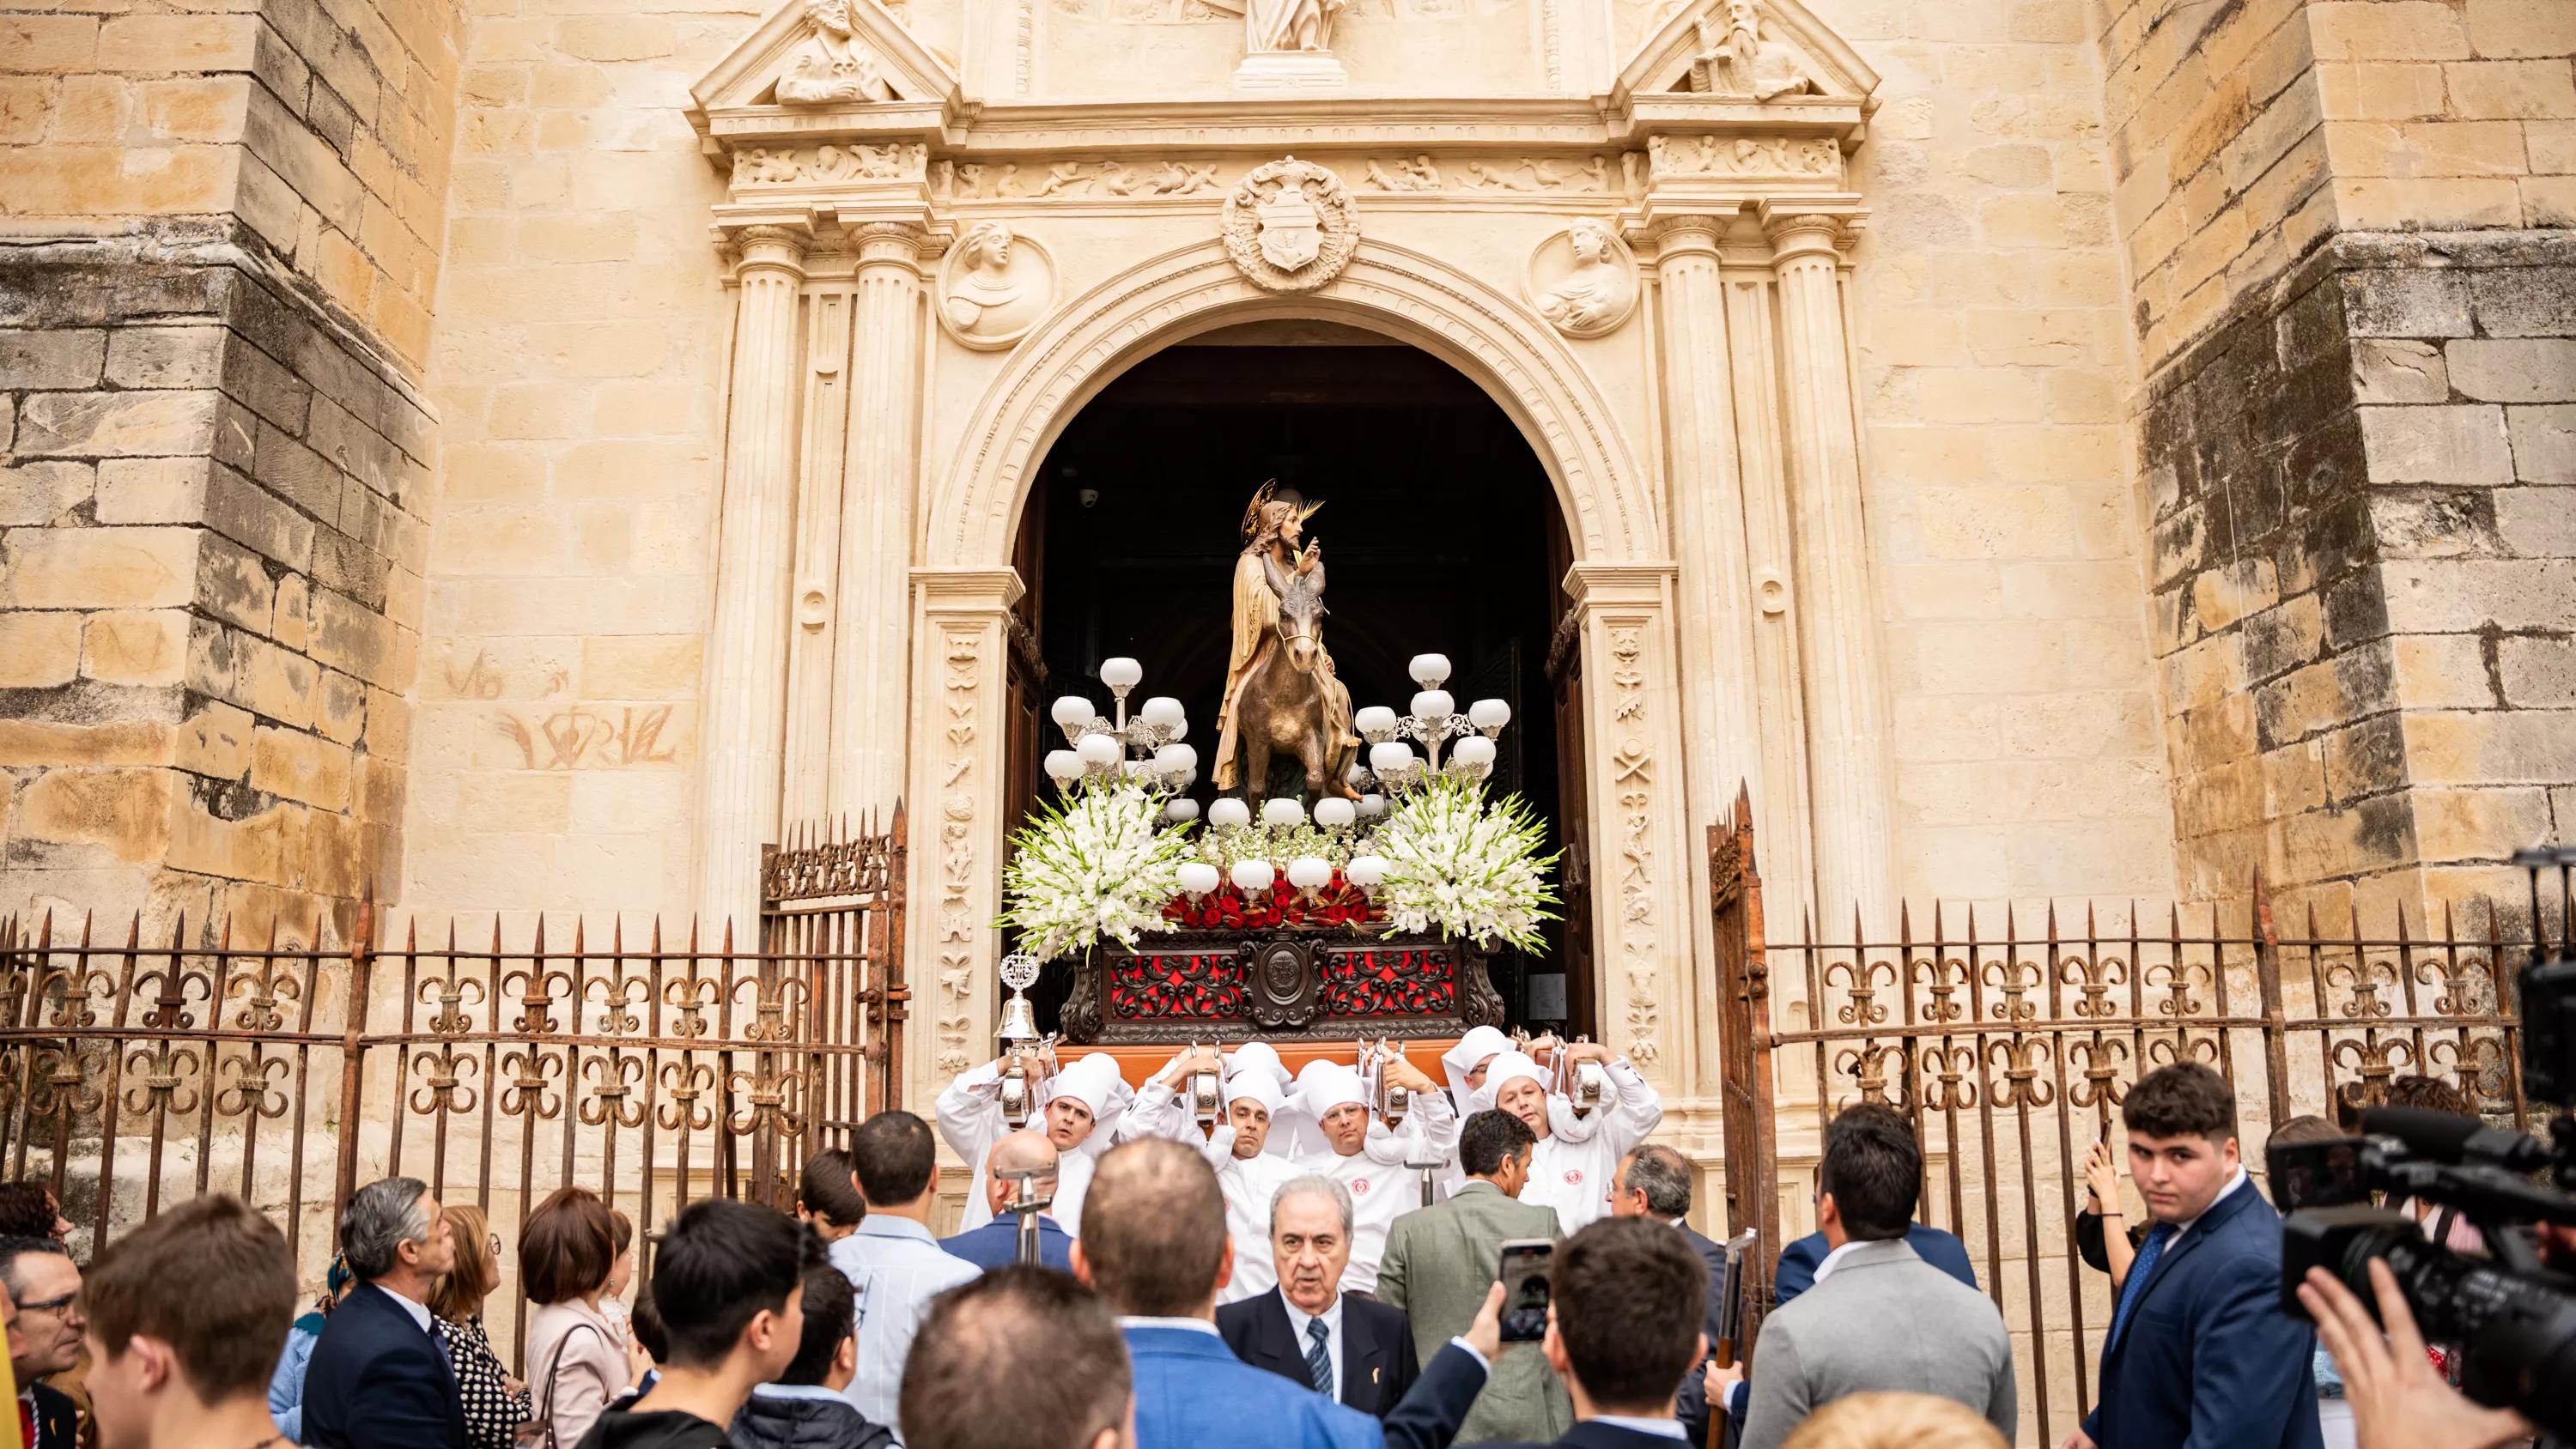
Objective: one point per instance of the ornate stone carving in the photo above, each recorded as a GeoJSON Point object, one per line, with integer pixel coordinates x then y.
{"type": "Point", "coordinates": [759, 166]}
{"type": "Point", "coordinates": [1632, 783]}
{"type": "Point", "coordinates": [1290, 225]}
{"type": "Point", "coordinates": [994, 286]}
{"type": "Point", "coordinates": [976, 181]}
{"type": "Point", "coordinates": [1583, 279]}
{"type": "Point", "coordinates": [832, 66]}
{"type": "Point", "coordinates": [1733, 61]}
{"type": "Point", "coordinates": [960, 652]}
{"type": "Point", "coordinates": [1590, 176]}
{"type": "Point", "coordinates": [1774, 157]}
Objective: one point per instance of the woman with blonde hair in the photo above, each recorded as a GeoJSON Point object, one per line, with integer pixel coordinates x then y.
{"type": "Point", "coordinates": [576, 1356]}
{"type": "Point", "coordinates": [1895, 1421]}
{"type": "Point", "coordinates": [495, 1403]}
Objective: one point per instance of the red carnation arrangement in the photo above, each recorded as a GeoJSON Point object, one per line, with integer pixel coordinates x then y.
{"type": "Point", "coordinates": [1336, 903]}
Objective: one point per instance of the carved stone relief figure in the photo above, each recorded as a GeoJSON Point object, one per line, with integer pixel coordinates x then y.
{"type": "Point", "coordinates": [832, 66]}
{"type": "Point", "coordinates": [1583, 279]}
{"type": "Point", "coordinates": [1778, 156]}
{"type": "Point", "coordinates": [1733, 61]}
{"type": "Point", "coordinates": [994, 286]}
{"type": "Point", "coordinates": [1291, 25]}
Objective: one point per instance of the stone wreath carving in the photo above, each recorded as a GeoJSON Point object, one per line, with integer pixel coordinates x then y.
{"type": "Point", "coordinates": [1290, 225]}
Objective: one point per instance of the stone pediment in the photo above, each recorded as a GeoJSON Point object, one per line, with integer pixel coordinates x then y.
{"type": "Point", "coordinates": [1793, 61]}
{"type": "Point", "coordinates": [822, 68]}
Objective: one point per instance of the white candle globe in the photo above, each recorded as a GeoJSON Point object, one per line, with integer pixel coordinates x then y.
{"type": "Point", "coordinates": [1229, 814]}
{"type": "Point", "coordinates": [1197, 876]}
{"type": "Point", "coordinates": [1176, 759]}
{"type": "Point", "coordinates": [1375, 722]}
{"type": "Point", "coordinates": [1162, 711]}
{"type": "Point", "coordinates": [1368, 872]}
{"type": "Point", "coordinates": [1475, 751]}
{"type": "Point", "coordinates": [1489, 714]}
{"type": "Point", "coordinates": [1071, 709]}
{"type": "Point", "coordinates": [1283, 813]}
{"type": "Point", "coordinates": [1180, 809]}
{"type": "Point", "coordinates": [1335, 813]}
{"type": "Point", "coordinates": [1063, 766]}
{"type": "Point", "coordinates": [1098, 751]}
{"type": "Point", "coordinates": [1392, 758]}
{"type": "Point", "coordinates": [1121, 673]}
{"type": "Point", "coordinates": [1434, 705]}
{"type": "Point", "coordinates": [1372, 805]}
{"type": "Point", "coordinates": [1132, 769]}
{"type": "Point", "coordinates": [1253, 875]}
{"type": "Point", "coordinates": [1428, 669]}
{"type": "Point", "coordinates": [1309, 871]}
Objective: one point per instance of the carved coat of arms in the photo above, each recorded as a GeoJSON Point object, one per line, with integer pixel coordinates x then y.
{"type": "Point", "coordinates": [1290, 225]}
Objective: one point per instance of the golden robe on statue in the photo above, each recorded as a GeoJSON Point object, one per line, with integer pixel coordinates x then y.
{"type": "Point", "coordinates": [1274, 527]}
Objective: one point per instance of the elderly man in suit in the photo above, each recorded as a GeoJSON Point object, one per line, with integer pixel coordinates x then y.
{"type": "Point", "coordinates": [1879, 1317]}
{"type": "Point", "coordinates": [377, 1376]}
{"type": "Point", "coordinates": [2199, 1351]}
{"type": "Point", "coordinates": [1343, 1345]}
{"type": "Point", "coordinates": [1442, 1261]}
{"type": "Point", "coordinates": [1155, 1245]}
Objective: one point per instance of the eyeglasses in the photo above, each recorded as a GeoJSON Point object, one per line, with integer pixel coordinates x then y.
{"type": "Point", "coordinates": [50, 1305]}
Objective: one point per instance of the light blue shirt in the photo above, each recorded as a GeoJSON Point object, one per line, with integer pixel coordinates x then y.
{"type": "Point", "coordinates": [897, 1268]}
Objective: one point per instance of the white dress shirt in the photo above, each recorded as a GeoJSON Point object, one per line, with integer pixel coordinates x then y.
{"type": "Point", "coordinates": [1661, 1428]}
{"type": "Point", "coordinates": [897, 1268]}
{"type": "Point", "coordinates": [419, 1311]}
{"type": "Point", "coordinates": [1331, 1318]}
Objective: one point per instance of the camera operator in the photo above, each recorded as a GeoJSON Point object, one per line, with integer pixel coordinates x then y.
{"type": "Point", "coordinates": [2398, 1398]}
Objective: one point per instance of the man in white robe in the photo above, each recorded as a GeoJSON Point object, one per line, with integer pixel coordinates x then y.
{"type": "Point", "coordinates": [1338, 1138]}
{"type": "Point", "coordinates": [1570, 1168]}
{"type": "Point", "coordinates": [1080, 1106]}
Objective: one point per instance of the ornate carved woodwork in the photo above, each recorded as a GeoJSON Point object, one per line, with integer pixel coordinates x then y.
{"type": "Point", "coordinates": [1221, 986]}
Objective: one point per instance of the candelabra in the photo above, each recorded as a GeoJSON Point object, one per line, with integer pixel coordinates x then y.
{"type": "Point", "coordinates": [1433, 721]}
{"type": "Point", "coordinates": [1102, 747]}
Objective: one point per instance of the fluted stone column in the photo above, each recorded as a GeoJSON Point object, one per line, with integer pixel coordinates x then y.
{"type": "Point", "coordinates": [871, 705]}
{"type": "Point", "coordinates": [1846, 696]}
{"type": "Point", "coordinates": [1724, 737]}
{"type": "Point", "coordinates": [742, 708]}
{"type": "Point", "coordinates": [818, 556]}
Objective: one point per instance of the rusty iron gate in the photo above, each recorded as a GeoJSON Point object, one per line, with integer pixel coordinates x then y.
{"type": "Point", "coordinates": [2010, 1039]}
{"type": "Point", "coordinates": [645, 1063]}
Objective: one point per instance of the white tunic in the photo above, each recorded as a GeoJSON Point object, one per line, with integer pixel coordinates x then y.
{"type": "Point", "coordinates": [1382, 1188]}
{"type": "Point", "coordinates": [970, 1118]}
{"type": "Point", "coordinates": [1572, 1174]}
{"type": "Point", "coordinates": [1248, 1184]}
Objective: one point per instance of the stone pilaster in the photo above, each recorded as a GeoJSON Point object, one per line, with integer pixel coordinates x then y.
{"type": "Point", "coordinates": [1847, 711]}
{"type": "Point", "coordinates": [742, 730]}
{"type": "Point", "coordinates": [813, 638]}
{"type": "Point", "coordinates": [870, 711]}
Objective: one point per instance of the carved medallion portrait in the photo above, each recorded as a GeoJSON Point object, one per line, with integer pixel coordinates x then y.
{"type": "Point", "coordinates": [994, 286]}
{"type": "Point", "coordinates": [1583, 279]}
{"type": "Point", "coordinates": [1290, 225]}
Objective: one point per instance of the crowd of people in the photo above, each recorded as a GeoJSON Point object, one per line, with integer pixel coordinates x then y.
{"type": "Point", "coordinates": [1374, 1315]}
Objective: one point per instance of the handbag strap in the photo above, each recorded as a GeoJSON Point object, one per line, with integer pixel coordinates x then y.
{"type": "Point", "coordinates": [554, 1366]}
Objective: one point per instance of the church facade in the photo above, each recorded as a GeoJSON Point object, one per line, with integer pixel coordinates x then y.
{"type": "Point", "coordinates": [523, 456]}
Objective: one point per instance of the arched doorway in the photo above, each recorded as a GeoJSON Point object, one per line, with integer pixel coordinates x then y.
{"type": "Point", "coordinates": [1441, 530]}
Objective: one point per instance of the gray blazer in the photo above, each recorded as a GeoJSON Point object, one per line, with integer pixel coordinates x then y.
{"type": "Point", "coordinates": [1882, 1319]}
{"type": "Point", "coordinates": [1440, 1262]}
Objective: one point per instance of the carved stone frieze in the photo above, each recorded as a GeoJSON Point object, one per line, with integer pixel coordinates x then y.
{"type": "Point", "coordinates": [960, 653]}
{"type": "Point", "coordinates": [760, 166]}
{"type": "Point", "coordinates": [994, 286]}
{"type": "Point", "coordinates": [1756, 157]}
{"type": "Point", "coordinates": [1632, 762]}
{"type": "Point", "coordinates": [980, 181]}
{"type": "Point", "coordinates": [1591, 175]}
{"type": "Point", "coordinates": [1583, 280]}
{"type": "Point", "coordinates": [1290, 225]}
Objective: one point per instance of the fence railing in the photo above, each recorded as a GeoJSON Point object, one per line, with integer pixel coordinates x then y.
{"type": "Point", "coordinates": [650, 1066]}
{"type": "Point", "coordinates": [2010, 1038]}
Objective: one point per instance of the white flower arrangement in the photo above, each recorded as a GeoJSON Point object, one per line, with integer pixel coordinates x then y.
{"type": "Point", "coordinates": [1095, 866]}
{"type": "Point", "coordinates": [1462, 863]}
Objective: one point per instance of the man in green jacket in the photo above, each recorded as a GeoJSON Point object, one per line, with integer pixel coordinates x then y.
{"type": "Point", "coordinates": [1442, 1260]}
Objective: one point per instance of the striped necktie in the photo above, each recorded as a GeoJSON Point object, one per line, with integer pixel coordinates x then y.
{"type": "Point", "coordinates": [1319, 1363]}
{"type": "Point", "coordinates": [2139, 1271]}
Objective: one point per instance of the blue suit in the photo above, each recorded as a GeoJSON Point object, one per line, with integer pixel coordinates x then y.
{"type": "Point", "coordinates": [2206, 1357]}
{"type": "Point", "coordinates": [1191, 1391]}
{"type": "Point", "coordinates": [375, 1378]}
{"type": "Point", "coordinates": [997, 1245]}
{"type": "Point", "coordinates": [1798, 1260]}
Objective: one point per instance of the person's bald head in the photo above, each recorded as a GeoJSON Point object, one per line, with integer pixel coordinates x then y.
{"type": "Point", "coordinates": [1153, 1231]}
{"type": "Point", "coordinates": [1049, 1338]}
{"type": "Point", "coordinates": [1021, 1151]}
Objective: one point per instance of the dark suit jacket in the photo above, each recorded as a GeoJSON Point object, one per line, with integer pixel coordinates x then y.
{"type": "Point", "coordinates": [1378, 1363]}
{"type": "Point", "coordinates": [1692, 1406]}
{"type": "Point", "coordinates": [377, 1381]}
{"type": "Point", "coordinates": [57, 1418]}
{"type": "Point", "coordinates": [2207, 1357]}
{"type": "Point", "coordinates": [997, 1245]}
{"type": "Point", "coordinates": [1592, 1434]}
{"type": "Point", "coordinates": [1798, 1260]}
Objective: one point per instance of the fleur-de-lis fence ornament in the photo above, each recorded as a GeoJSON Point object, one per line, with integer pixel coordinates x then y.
{"type": "Point", "coordinates": [2365, 979]}
{"type": "Point", "coordinates": [451, 994]}
{"type": "Point", "coordinates": [1861, 980]}
{"type": "Point", "coordinates": [62, 1082]}
{"type": "Point", "coordinates": [2478, 1062]}
{"type": "Point", "coordinates": [1945, 1087]}
{"type": "Point", "coordinates": [2016, 980]}
{"type": "Point", "coordinates": [13, 1071]}
{"type": "Point", "coordinates": [528, 1095]}
{"type": "Point", "coordinates": [2101, 1085]}
{"type": "Point", "coordinates": [692, 997]}
{"type": "Point", "coordinates": [2176, 985]}
{"type": "Point", "coordinates": [2376, 1059]}
{"type": "Point", "coordinates": [442, 1087]}
{"type": "Point", "coordinates": [683, 1083]}
{"type": "Point", "coordinates": [170, 989]}
{"type": "Point", "coordinates": [618, 999]}
{"type": "Point", "coordinates": [1942, 978]}
{"type": "Point", "coordinates": [1867, 1066]}
{"type": "Point", "coordinates": [776, 1092]}
{"type": "Point", "coordinates": [2020, 1057]}
{"type": "Point", "coordinates": [2468, 984]}
{"type": "Point", "coordinates": [774, 1004]}
{"type": "Point", "coordinates": [613, 1099]}
{"type": "Point", "coordinates": [70, 997]}
{"type": "Point", "coordinates": [262, 994]}
{"type": "Point", "coordinates": [163, 1071]}
{"type": "Point", "coordinates": [537, 990]}
{"type": "Point", "coordinates": [253, 1088]}
{"type": "Point", "coordinates": [2164, 1051]}
{"type": "Point", "coordinates": [2093, 977]}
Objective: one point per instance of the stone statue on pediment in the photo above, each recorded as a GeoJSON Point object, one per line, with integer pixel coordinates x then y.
{"type": "Point", "coordinates": [832, 66]}
{"type": "Point", "coordinates": [1733, 61]}
{"type": "Point", "coordinates": [1289, 25]}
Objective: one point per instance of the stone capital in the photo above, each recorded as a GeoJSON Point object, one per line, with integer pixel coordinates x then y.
{"type": "Point", "coordinates": [1687, 234]}
{"type": "Point", "coordinates": [780, 248]}
{"type": "Point", "coordinates": [1796, 233]}
{"type": "Point", "coordinates": [968, 590]}
{"type": "Point", "coordinates": [901, 242]}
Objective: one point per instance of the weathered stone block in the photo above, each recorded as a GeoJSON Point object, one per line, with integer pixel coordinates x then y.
{"type": "Point", "coordinates": [2525, 301]}
{"type": "Point", "coordinates": [2538, 672]}
{"type": "Point", "coordinates": [216, 741]}
{"type": "Point", "coordinates": [2406, 304]}
{"type": "Point", "coordinates": [38, 650]}
{"type": "Point", "coordinates": [2489, 747]}
{"type": "Point", "coordinates": [2398, 370]}
{"type": "Point", "coordinates": [39, 743]}
{"type": "Point", "coordinates": [98, 568]}
{"type": "Point", "coordinates": [272, 682]}
{"type": "Point", "coordinates": [167, 357]}
{"type": "Point", "coordinates": [151, 490]}
{"type": "Point", "coordinates": [297, 473]}
{"type": "Point", "coordinates": [39, 494]}
{"type": "Point", "coordinates": [2461, 443]}
{"type": "Point", "coordinates": [2519, 370]}
{"type": "Point", "coordinates": [173, 43]}
{"type": "Point", "coordinates": [2537, 522]}
{"type": "Point", "coordinates": [232, 584]}
{"type": "Point", "coordinates": [344, 707]}
{"type": "Point", "coordinates": [117, 424]}
{"type": "Point", "coordinates": [292, 623]}
{"type": "Point", "coordinates": [75, 815]}
{"type": "Point", "coordinates": [136, 647]}
{"type": "Point", "coordinates": [2484, 825]}
{"type": "Point", "coordinates": [349, 635]}
{"type": "Point", "coordinates": [299, 766]}
{"type": "Point", "coordinates": [2544, 443]}
{"type": "Point", "coordinates": [57, 360]}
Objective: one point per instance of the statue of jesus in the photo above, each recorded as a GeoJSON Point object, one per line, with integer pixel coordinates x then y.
{"type": "Point", "coordinates": [1275, 25]}
{"type": "Point", "coordinates": [1273, 566]}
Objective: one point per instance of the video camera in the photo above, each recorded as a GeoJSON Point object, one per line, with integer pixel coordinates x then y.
{"type": "Point", "coordinates": [2512, 1315]}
